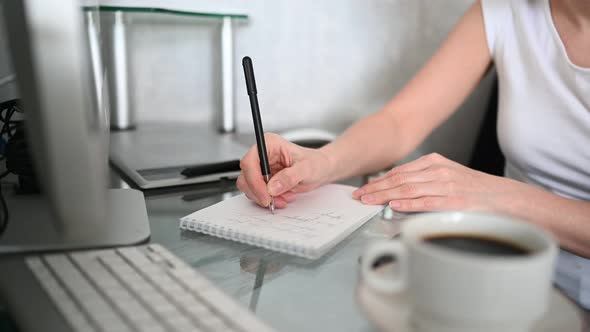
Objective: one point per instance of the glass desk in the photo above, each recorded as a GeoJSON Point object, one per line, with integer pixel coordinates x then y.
{"type": "Point", "coordinates": [290, 293]}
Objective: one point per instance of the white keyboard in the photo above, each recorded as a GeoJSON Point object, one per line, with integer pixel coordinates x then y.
{"type": "Point", "coordinates": [143, 288]}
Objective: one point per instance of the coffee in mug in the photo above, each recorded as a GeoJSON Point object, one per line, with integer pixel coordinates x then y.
{"type": "Point", "coordinates": [476, 244]}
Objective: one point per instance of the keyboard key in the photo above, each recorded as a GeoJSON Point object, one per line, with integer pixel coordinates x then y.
{"type": "Point", "coordinates": [134, 256]}
{"type": "Point", "coordinates": [66, 306]}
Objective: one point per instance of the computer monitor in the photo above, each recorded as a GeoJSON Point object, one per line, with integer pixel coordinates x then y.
{"type": "Point", "coordinates": [68, 135]}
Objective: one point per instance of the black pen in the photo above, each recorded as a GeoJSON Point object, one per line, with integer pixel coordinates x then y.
{"type": "Point", "coordinates": [251, 87]}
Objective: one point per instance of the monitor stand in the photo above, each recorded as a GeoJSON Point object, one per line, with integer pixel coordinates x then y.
{"type": "Point", "coordinates": [32, 227]}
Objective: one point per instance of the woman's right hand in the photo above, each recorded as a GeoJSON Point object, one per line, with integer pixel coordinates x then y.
{"type": "Point", "coordinates": [294, 169]}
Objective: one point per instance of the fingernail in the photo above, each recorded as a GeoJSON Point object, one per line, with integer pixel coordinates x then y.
{"type": "Point", "coordinates": [275, 188]}
{"type": "Point", "coordinates": [395, 204]}
{"type": "Point", "coordinates": [368, 198]}
{"type": "Point", "coordinates": [358, 193]}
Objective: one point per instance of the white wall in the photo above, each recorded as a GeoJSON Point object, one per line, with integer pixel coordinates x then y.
{"type": "Point", "coordinates": [318, 63]}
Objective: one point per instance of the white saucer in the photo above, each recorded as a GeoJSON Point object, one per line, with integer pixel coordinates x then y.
{"type": "Point", "coordinates": [390, 313]}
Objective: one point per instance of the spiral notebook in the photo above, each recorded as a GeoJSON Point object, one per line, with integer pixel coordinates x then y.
{"type": "Point", "coordinates": [309, 227]}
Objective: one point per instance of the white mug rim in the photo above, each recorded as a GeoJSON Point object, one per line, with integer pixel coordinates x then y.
{"type": "Point", "coordinates": [417, 243]}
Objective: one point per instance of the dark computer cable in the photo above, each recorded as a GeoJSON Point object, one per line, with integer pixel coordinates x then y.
{"type": "Point", "coordinates": [14, 147]}
{"type": "Point", "coordinates": [3, 208]}
{"type": "Point", "coordinates": [7, 111]}
{"type": "Point", "coordinates": [9, 136]}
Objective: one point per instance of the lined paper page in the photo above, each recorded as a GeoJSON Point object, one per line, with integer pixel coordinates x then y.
{"type": "Point", "coordinates": [308, 227]}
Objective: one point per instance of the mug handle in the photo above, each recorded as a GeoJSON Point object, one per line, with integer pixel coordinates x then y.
{"type": "Point", "coordinates": [378, 282]}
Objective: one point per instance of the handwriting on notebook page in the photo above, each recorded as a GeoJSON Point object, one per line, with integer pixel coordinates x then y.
{"type": "Point", "coordinates": [308, 225]}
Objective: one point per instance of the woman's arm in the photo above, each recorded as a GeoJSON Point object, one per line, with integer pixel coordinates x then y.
{"type": "Point", "coordinates": [435, 183]}
{"type": "Point", "coordinates": [437, 90]}
{"type": "Point", "coordinates": [567, 219]}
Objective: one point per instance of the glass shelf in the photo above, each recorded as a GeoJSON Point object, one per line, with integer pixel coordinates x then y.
{"type": "Point", "coordinates": [163, 11]}
{"type": "Point", "coordinates": [118, 54]}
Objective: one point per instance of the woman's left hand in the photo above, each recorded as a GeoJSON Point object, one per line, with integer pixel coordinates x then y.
{"type": "Point", "coordinates": [433, 183]}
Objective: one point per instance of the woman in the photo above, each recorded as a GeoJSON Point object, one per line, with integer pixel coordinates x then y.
{"type": "Point", "coordinates": [541, 50]}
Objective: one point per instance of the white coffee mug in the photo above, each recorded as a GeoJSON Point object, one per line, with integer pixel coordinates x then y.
{"type": "Point", "coordinates": [457, 290]}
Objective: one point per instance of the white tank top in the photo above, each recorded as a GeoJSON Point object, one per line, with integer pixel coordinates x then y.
{"type": "Point", "coordinates": [543, 113]}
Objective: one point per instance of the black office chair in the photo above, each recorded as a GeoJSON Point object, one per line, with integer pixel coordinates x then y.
{"type": "Point", "coordinates": [487, 156]}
